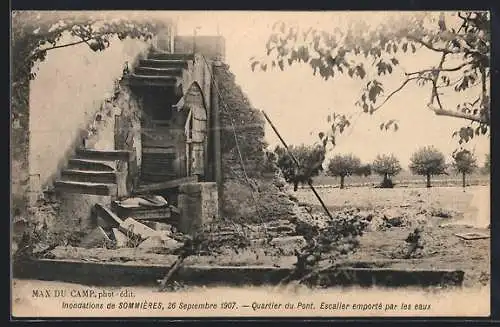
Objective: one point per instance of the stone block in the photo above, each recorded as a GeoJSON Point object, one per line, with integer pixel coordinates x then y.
{"type": "Point", "coordinates": [120, 238]}
{"type": "Point", "coordinates": [160, 241]}
{"type": "Point", "coordinates": [158, 226]}
{"type": "Point", "coordinates": [77, 211]}
{"type": "Point", "coordinates": [96, 238]}
{"type": "Point", "coordinates": [198, 204]}
{"type": "Point", "coordinates": [288, 244]}
{"type": "Point", "coordinates": [134, 227]}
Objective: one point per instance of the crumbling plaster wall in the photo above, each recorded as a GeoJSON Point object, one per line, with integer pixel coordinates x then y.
{"type": "Point", "coordinates": [69, 91]}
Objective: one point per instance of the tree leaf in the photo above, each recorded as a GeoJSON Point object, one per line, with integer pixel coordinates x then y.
{"type": "Point", "coordinates": [361, 71]}
{"type": "Point", "coordinates": [255, 63]}
{"type": "Point", "coordinates": [281, 65]}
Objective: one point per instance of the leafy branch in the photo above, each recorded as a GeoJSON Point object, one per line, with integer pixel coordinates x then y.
{"type": "Point", "coordinates": [345, 51]}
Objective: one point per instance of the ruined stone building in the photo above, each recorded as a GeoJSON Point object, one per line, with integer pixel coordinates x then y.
{"type": "Point", "coordinates": [150, 117]}
{"type": "Point", "coordinates": [162, 118]}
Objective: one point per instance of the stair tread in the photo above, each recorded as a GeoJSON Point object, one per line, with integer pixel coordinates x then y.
{"type": "Point", "coordinates": [93, 160]}
{"type": "Point", "coordinates": [88, 171]}
{"type": "Point", "coordinates": [103, 151]}
{"type": "Point", "coordinates": [175, 54]}
{"type": "Point", "coordinates": [161, 69]}
{"type": "Point", "coordinates": [153, 77]}
{"type": "Point", "coordinates": [166, 60]}
{"type": "Point", "coordinates": [85, 183]}
{"type": "Point", "coordinates": [173, 63]}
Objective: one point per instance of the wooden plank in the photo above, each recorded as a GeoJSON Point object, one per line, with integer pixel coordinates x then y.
{"type": "Point", "coordinates": [166, 185]}
{"type": "Point", "coordinates": [107, 214]}
{"type": "Point", "coordinates": [472, 236]}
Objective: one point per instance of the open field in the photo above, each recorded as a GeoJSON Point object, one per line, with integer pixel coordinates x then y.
{"type": "Point", "coordinates": [417, 207]}
{"type": "Point", "coordinates": [405, 178]}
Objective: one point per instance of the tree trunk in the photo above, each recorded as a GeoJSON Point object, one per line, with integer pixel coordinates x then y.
{"type": "Point", "coordinates": [463, 180]}
{"type": "Point", "coordinates": [428, 180]}
{"type": "Point", "coordinates": [20, 145]}
{"type": "Point", "coordinates": [342, 181]}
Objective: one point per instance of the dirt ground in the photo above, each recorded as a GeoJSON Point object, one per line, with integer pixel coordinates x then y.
{"type": "Point", "coordinates": [439, 212]}
{"type": "Point", "coordinates": [417, 206]}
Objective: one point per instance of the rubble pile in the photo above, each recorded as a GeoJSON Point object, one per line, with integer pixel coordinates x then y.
{"type": "Point", "coordinates": [138, 222]}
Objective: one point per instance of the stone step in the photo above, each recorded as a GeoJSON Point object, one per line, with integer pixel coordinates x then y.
{"type": "Point", "coordinates": [157, 63]}
{"type": "Point", "coordinates": [172, 79]}
{"type": "Point", "coordinates": [157, 71]}
{"type": "Point", "coordinates": [85, 187]}
{"type": "Point", "coordinates": [158, 55]}
{"type": "Point", "coordinates": [93, 176]}
{"type": "Point", "coordinates": [94, 165]}
{"type": "Point", "coordinates": [147, 80]}
{"type": "Point", "coordinates": [103, 154]}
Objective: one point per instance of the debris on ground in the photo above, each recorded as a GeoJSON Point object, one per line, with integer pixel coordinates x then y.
{"type": "Point", "coordinates": [121, 239]}
{"type": "Point", "coordinates": [159, 226]}
{"type": "Point", "coordinates": [152, 207]}
{"type": "Point", "coordinates": [280, 227]}
{"type": "Point", "coordinates": [288, 245]}
{"type": "Point", "coordinates": [441, 213]}
{"type": "Point", "coordinates": [160, 242]}
{"type": "Point", "coordinates": [131, 226]}
{"type": "Point", "coordinates": [472, 236]}
{"type": "Point", "coordinates": [414, 241]}
{"type": "Point", "coordinates": [96, 238]}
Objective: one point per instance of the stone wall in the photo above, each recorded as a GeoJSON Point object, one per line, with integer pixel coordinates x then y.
{"type": "Point", "coordinates": [128, 128]}
{"type": "Point", "coordinates": [19, 150]}
{"type": "Point", "coordinates": [212, 47]}
{"type": "Point", "coordinates": [256, 198]}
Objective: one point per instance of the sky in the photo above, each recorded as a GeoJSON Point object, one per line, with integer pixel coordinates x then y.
{"type": "Point", "coordinates": [298, 102]}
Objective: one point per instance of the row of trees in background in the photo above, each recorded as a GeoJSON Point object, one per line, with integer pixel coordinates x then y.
{"type": "Point", "coordinates": [426, 161]}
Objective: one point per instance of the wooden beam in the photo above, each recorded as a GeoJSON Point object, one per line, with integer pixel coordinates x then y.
{"type": "Point", "coordinates": [215, 130]}
{"type": "Point", "coordinates": [166, 185]}
{"type": "Point", "coordinates": [108, 215]}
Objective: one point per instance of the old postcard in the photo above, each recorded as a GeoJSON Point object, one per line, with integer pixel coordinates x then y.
{"type": "Point", "coordinates": [250, 164]}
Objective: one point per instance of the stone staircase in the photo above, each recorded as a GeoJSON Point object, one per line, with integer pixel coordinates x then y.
{"type": "Point", "coordinates": [96, 172]}
{"type": "Point", "coordinates": [96, 178]}
{"type": "Point", "coordinates": [161, 69]}
{"type": "Point", "coordinates": [167, 73]}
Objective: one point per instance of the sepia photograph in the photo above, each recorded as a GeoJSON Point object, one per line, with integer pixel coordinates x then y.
{"type": "Point", "coordinates": [250, 164]}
